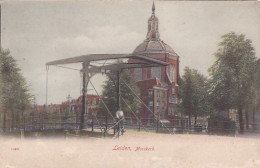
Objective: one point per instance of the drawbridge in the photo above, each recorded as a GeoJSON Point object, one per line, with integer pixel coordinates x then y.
{"type": "Point", "coordinates": [105, 64]}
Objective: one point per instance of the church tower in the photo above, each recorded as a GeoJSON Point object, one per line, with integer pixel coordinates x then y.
{"type": "Point", "coordinates": [153, 32]}
{"type": "Point", "coordinates": [161, 82]}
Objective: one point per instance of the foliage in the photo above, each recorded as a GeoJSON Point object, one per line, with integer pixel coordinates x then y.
{"type": "Point", "coordinates": [194, 94]}
{"type": "Point", "coordinates": [255, 91]}
{"type": "Point", "coordinates": [232, 74]}
{"type": "Point", "coordinates": [14, 93]}
{"type": "Point", "coordinates": [127, 97]}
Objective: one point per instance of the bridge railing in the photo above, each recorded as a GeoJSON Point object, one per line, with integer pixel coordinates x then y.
{"type": "Point", "coordinates": [107, 124]}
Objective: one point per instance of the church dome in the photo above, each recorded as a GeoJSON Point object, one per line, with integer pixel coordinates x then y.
{"type": "Point", "coordinates": [153, 46]}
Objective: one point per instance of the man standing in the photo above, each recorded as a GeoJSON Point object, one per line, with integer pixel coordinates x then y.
{"type": "Point", "coordinates": [121, 119]}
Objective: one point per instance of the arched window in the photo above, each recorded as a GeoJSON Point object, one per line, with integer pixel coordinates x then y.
{"type": "Point", "coordinates": [138, 74]}
{"type": "Point", "coordinates": [172, 74]}
{"type": "Point", "coordinates": [156, 72]}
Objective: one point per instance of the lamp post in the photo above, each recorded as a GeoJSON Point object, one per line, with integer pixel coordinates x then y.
{"type": "Point", "coordinates": [118, 91]}
{"type": "Point", "coordinates": [83, 111]}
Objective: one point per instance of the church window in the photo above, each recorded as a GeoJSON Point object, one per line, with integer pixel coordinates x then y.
{"type": "Point", "coordinates": [150, 105]}
{"type": "Point", "coordinates": [158, 106]}
{"type": "Point", "coordinates": [172, 75]}
{"type": "Point", "coordinates": [150, 93]}
{"type": "Point", "coordinates": [163, 94]}
{"type": "Point", "coordinates": [158, 94]}
{"type": "Point", "coordinates": [156, 72]}
{"type": "Point", "coordinates": [158, 103]}
{"type": "Point", "coordinates": [163, 106]}
{"type": "Point", "coordinates": [171, 111]}
{"type": "Point", "coordinates": [138, 74]}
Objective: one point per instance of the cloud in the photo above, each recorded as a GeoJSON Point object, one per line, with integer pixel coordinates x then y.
{"type": "Point", "coordinates": [106, 39]}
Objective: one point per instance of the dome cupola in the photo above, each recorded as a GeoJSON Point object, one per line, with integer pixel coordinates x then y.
{"type": "Point", "coordinates": [153, 32]}
{"type": "Point", "coordinates": [152, 43]}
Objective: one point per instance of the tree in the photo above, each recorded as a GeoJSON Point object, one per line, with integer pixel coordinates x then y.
{"type": "Point", "coordinates": [129, 102]}
{"type": "Point", "coordinates": [194, 94]}
{"type": "Point", "coordinates": [14, 93]}
{"type": "Point", "coordinates": [232, 74]}
{"type": "Point", "coordinates": [255, 91]}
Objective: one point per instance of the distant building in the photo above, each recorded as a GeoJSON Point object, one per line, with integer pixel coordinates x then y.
{"type": "Point", "coordinates": [158, 85]}
{"type": "Point", "coordinates": [154, 95]}
{"type": "Point", "coordinates": [92, 104]}
{"type": "Point", "coordinates": [74, 106]}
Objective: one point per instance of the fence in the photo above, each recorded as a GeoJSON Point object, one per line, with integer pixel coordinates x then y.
{"type": "Point", "coordinates": [39, 123]}
{"type": "Point", "coordinates": [210, 126]}
{"type": "Point", "coordinates": [108, 125]}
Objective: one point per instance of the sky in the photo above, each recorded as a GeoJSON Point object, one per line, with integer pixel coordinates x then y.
{"type": "Point", "coordinates": [39, 32]}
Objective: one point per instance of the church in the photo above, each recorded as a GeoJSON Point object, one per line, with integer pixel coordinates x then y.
{"type": "Point", "coordinates": [158, 85]}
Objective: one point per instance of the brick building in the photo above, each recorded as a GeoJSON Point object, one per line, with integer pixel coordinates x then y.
{"type": "Point", "coordinates": [158, 85]}
{"type": "Point", "coordinates": [92, 104]}
{"type": "Point", "coordinates": [74, 106]}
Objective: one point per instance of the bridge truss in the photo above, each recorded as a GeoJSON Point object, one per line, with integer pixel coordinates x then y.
{"type": "Point", "coordinates": [110, 66]}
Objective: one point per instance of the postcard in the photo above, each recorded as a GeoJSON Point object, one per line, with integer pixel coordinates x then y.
{"type": "Point", "coordinates": [130, 84]}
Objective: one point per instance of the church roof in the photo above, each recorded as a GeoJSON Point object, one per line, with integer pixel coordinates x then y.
{"type": "Point", "coordinates": [150, 46]}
